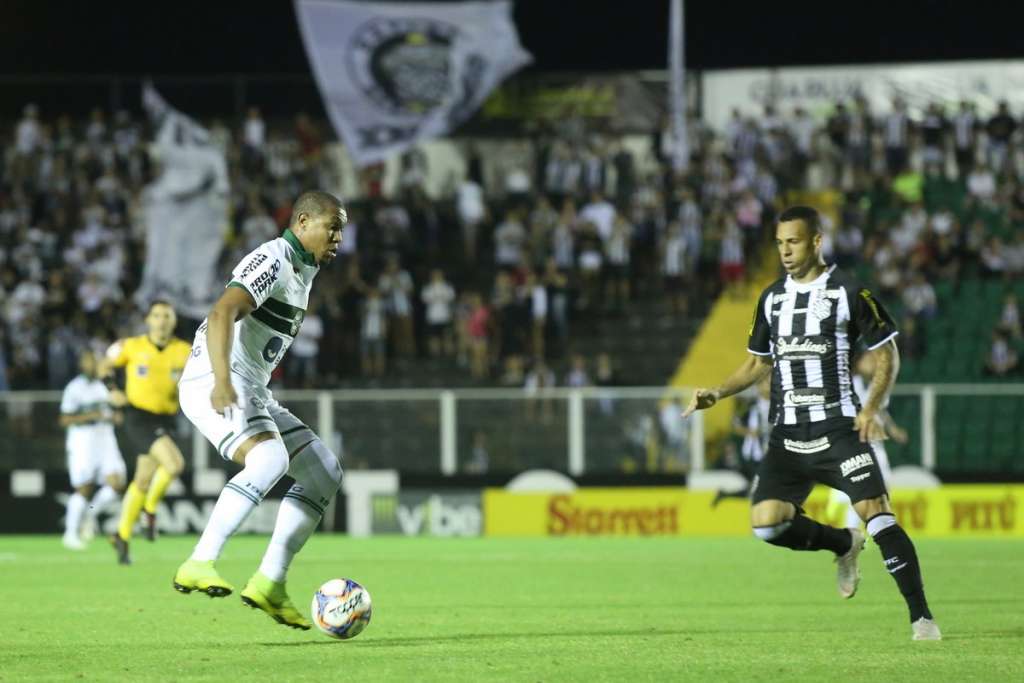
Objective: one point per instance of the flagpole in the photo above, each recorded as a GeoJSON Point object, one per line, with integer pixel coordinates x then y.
{"type": "Point", "coordinates": [677, 86]}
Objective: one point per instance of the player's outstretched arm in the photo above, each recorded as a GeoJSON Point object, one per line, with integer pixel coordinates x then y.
{"type": "Point", "coordinates": [898, 434]}
{"type": "Point", "coordinates": [747, 374]}
{"type": "Point", "coordinates": [107, 365]}
{"type": "Point", "coordinates": [892, 428]}
{"type": "Point", "coordinates": [69, 420]}
{"type": "Point", "coordinates": [234, 304]}
{"type": "Point", "coordinates": [887, 366]}
{"type": "Point", "coordinates": [107, 370]}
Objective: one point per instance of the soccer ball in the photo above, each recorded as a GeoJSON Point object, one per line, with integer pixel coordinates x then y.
{"type": "Point", "coordinates": [341, 608]}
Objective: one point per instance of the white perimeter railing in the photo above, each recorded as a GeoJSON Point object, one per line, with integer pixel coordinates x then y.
{"type": "Point", "coordinates": [929, 395]}
{"type": "Point", "coordinates": [580, 406]}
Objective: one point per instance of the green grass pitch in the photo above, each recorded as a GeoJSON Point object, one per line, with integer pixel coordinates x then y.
{"type": "Point", "coordinates": [514, 610]}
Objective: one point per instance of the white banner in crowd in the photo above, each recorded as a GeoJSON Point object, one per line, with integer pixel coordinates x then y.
{"type": "Point", "coordinates": [817, 89]}
{"type": "Point", "coordinates": [185, 209]}
{"type": "Point", "coordinates": [394, 73]}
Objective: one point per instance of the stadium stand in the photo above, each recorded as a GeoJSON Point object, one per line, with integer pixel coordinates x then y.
{"type": "Point", "coordinates": [72, 248]}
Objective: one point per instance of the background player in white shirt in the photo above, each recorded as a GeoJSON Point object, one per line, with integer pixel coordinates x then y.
{"type": "Point", "coordinates": [94, 460]}
{"type": "Point", "coordinates": [865, 370]}
{"type": "Point", "coordinates": [223, 392]}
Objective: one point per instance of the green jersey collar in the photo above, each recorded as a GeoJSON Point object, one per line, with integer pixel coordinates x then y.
{"type": "Point", "coordinates": [304, 255]}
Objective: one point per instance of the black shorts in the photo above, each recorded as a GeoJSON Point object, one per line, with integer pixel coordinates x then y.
{"type": "Point", "coordinates": [830, 453]}
{"type": "Point", "coordinates": [141, 428]}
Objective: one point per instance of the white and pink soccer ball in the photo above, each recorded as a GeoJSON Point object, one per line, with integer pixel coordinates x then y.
{"type": "Point", "coordinates": [341, 608]}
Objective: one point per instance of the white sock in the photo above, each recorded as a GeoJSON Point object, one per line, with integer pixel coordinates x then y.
{"type": "Point", "coordinates": [852, 518]}
{"type": "Point", "coordinates": [317, 475]}
{"type": "Point", "coordinates": [73, 519]}
{"type": "Point", "coordinates": [265, 464]}
{"type": "Point", "coordinates": [101, 500]}
{"type": "Point", "coordinates": [295, 523]}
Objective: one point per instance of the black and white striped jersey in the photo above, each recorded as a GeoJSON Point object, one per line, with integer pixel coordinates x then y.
{"type": "Point", "coordinates": [810, 331]}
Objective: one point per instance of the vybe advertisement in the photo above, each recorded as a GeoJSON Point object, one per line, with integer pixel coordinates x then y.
{"type": "Point", "coordinates": [428, 513]}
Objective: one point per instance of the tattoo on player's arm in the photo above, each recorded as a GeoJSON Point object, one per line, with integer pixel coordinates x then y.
{"type": "Point", "coordinates": [887, 363]}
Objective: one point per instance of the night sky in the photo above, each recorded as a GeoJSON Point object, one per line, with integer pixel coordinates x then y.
{"type": "Point", "coordinates": [219, 36]}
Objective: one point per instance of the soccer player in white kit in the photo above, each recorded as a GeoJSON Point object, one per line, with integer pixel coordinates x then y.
{"type": "Point", "coordinates": [223, 392]}
{"type": "Point", "coordinates": [861, 379]}
{"type": "Point", "coordinates": [94, 459]}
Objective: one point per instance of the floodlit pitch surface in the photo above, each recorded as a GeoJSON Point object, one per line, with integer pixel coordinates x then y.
{"type": "Point", "coordinates": [621, 609]}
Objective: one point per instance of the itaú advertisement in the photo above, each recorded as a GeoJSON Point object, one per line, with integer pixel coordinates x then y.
{"type": "Point", "coordinates": [950, 511]}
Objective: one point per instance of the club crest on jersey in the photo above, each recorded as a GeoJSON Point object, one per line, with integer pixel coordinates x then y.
{"type": "Point", "coordinates": [821, 307]}
{"type": "Point", "coordinates": [297, 322]}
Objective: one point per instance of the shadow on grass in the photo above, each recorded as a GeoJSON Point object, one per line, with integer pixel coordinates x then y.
{"type": "Point", "coordinates": [464, 637]}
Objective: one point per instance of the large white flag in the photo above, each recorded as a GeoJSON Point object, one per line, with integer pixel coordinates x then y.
{"type": "Point", "coordinates": [394, 73]}
{"type": "Point", "coordinates": [185, 210]}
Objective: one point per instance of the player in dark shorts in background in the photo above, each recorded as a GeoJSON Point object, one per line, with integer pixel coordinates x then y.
{"type": "Point", "coordinates": [805, 328]}
{"type": "Point", "coordinates": [755, 427]}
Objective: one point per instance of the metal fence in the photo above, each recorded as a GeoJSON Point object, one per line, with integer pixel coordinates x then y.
{"type": "Point", "coordinates": [436, 431]}
{"type": "Point", "coordinates": [952, 427]}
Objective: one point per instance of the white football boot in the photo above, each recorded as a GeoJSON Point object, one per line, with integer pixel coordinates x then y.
{"type": "Point", "coordinates": [926, 629]}
{"type": "Point", "coordinates": [88, 530]}
{"type": "Point", "coordinates": [73, 543]}
{"type": "Point", "coordinates": [847, 572]}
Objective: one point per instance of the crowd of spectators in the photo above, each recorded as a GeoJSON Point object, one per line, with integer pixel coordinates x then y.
{"type": "Point", "coordinates": [492, 278]}
{"type": "Point", "coordinates": [929, 202]}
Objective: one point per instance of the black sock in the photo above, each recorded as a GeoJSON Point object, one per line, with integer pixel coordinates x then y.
{"type": "Point", "coordinates": [901, 562]}
{"type": "Point", "coordinates": [806, 534]}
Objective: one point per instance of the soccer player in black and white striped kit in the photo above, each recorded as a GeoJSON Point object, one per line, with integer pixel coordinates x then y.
{"type": "Point", "coordinates": [805, 327]}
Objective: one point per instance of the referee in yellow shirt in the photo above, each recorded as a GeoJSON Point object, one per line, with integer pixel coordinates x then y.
{"type": "Point", "coordinates": [153, 363]}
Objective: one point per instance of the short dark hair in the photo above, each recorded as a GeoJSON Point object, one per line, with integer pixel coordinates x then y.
{"type": "Point", "coordinates": [807, 214]}
{"type": "Point", "coordinates": [159, 302]}
{"type": "Point", "coordinates": [315, 203]}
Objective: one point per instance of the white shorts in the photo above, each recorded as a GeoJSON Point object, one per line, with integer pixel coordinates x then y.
{"type": "Point", "coordinates": [92, 457]}
{"type": "Point", "coordinates": [259, 412]}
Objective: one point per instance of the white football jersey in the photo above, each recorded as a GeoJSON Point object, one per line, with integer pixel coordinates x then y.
{"type": "Point", "coordinates": [84, 395]}
{"type": "Point", "coordinates": [278, 276]}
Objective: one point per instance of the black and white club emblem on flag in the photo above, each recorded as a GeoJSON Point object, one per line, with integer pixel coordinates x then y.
{"type": "Point", "coordinates": [403, 64]}
{"type": "Point", "coordinates": [392, 74]}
